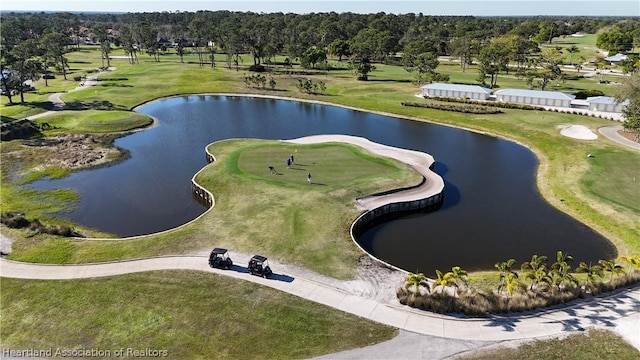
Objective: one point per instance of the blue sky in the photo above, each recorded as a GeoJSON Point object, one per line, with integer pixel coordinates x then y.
{"type": "Point", "coordinates": [427, 7]}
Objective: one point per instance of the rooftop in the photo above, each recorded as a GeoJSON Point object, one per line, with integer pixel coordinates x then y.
{"type": "Point", "coordinates": [616, 57]}
{"type": "Point", "coordinates": [457, 87]}
{"type": "Point", "coordinates": [605, 100]}
{"type": "Point", "coordinates": [536, 94]}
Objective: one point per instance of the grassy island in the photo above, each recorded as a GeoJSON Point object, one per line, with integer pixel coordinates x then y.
{"type": "Point", "coordinates": [278, 214]}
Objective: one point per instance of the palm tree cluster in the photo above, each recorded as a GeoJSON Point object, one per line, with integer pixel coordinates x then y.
{"type": "Point", "coordinates": [536, 285]}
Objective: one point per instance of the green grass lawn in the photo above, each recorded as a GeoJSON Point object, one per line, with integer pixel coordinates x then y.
{"type": "Point", "coordinates": [594, 344]}
{"type": "Point", "coordinates": [94, 121]}
{"type": "Point", "coordinates": [189, 314]}
{"type": "Point", "coordinates": [616, 181]}
{"type": "Point", "coordinates": [279, 215]}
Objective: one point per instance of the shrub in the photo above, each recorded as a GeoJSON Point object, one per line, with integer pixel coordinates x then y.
{"type": "Point", "coordinates": [497, 104]}
{"type": "Point", "coordinates": [310, 86]}
{"type": "Point", "coordinates": [14, 220]}
{"type": "Point", "coordinates": [18, 220]}
{"type": "Point", "coordinates": [583, 94]}
{"type": "Point", "coordinates": [477, 303]}
{"type": "Point", "coordinates": [257, 68]}
{"type": "Point", "coordinates": [464, 108]}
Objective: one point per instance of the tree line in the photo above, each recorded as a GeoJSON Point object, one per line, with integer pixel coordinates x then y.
{"type": "Point", "coordinates": [35, 44]}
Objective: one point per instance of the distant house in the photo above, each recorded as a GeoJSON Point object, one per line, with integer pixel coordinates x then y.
{"type": "Point", "coordinates": [534, 97]}
{"type": "Point", "coordinates": [616, 59]}
{"type": "Point", "coordinates": [606, 104]}
{"type": "Point", "coordinates": [164, 42]}
{"type": "Point", "coordinates": [456, 91]}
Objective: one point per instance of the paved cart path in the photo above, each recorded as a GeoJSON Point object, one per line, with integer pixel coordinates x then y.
{"type": "Point", "coordinates": [611, 133]}
{"type": "Point", "coordinates": [619, 312]}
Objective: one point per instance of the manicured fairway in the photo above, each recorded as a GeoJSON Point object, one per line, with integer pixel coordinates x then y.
{"type": "Point", "coordinates": [331, 166]}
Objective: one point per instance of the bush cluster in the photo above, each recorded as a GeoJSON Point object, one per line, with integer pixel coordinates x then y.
{"type": "Point", "coordinates": [19, 129]}
{"type": "Point", "coordinates": [498, 104]}
{"type": "Point", "coordinates": [463, 108]}
{"type": "Point", "coordinates": [583, 94]}
{"type": "Point", "coordinates": [257, 68]}
{"type": "Point", "coordinates": [536, 286]}
{"type": "Point", "coordinates": [258, 80]}
{"type": "Point", "coordinates": [310, 86]}
{"type": "Point", "coordinates": [17, 220]}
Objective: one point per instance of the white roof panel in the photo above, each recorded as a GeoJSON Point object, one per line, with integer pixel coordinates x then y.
{"type": "Point", "coordinates": [457, 87]}
{"type": "Point", "coordinates": [605, 100]}
{"type": "Point", "coordinates": [536, 94]}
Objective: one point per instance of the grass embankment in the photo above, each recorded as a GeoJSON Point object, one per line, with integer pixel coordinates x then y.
{"type": "Point", "coordinates": [189, 314]}
{"type": "Point", "coordinates": [279, 215]}
{"type": "Point", "coordinates": [94, 121]}
{"type": "Point", "coordinates": [594, 344]}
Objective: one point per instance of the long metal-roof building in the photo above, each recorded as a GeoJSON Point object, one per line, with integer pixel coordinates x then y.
{"type": "Point", "coordinates": [456, 91]}
{"type": "Point", "coordinates": [606, 104]}
{"type": "Point", "coordinates": [535, 97]}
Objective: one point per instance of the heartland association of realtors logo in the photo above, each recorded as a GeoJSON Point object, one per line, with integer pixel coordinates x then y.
{"type": "Point", "coordinates": [82, 352]}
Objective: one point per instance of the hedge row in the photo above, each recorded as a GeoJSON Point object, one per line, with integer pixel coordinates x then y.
{"type": "Point", "coordinates": [463, 108]}
{"type": "Point", "coordinates": [503, 105]}
{"type": "Point", "coordinates": [479, 303]}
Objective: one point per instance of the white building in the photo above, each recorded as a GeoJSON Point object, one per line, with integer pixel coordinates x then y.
{"type": "Point", "coordinates": [606, 104]}
{"type": "Point", "coordinates": [616, 59]}
{"type": "Point", "coordinates": [456, 91]}
{"type": "Point", "coordinates": [535, 97]}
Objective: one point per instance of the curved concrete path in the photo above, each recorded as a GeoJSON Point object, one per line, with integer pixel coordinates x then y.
{"type": "Point", "coordinates": [57, 102]}
{"type": "Point", "coordinates": [617, 312]}
{"type": "Point", "coordinates": [611, 133]}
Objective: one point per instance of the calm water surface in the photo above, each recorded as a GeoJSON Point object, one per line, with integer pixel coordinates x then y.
{"type": "Point", "coordinates": [492, 210]}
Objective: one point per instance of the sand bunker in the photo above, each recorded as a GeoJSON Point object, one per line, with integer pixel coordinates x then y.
{"type": "Point", "coordinates": [577, 132]}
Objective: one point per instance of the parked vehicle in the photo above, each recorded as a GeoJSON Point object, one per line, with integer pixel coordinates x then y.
{"type": "Point", "coordinates": [219, 258]}
{"type": "Point", "coordinates": [259, 265]}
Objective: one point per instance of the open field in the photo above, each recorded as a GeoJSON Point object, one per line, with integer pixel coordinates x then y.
{"type": "Point", "coordinates": [187, 313]}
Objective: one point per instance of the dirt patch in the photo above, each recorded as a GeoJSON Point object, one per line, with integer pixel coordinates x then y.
{"type": "Point", "coordinates": [630, 135]}
{"type": "Point", "coordinates": [76, 151]}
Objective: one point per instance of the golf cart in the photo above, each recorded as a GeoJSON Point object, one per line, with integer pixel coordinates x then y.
{"type": "Point", "coordinates": [219, 258]}
{"type": "Point", "coordinates": [259, 265]}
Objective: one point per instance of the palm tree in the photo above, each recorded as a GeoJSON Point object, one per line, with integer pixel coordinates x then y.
{"type": "Point", "coordinates": [633, 261]}
{"type": "Point", "coordinates": [535, 270]}
{"type": "Point", "coordinates": [579, 61]}
{"type": "Point", "coordinates": [457, 277]}
{"type": "Point", "coordinates": [610, 266]}
{"type": "Point", "coordinates": [572, 50]}
{"type": "Point", "coordinates": [415, 280]}
{"type": "Point", "coordinates": [442, 281]}
{"type": "Point", "coordinates": [592, 271]}
{"type": "Point", "coordinates": [505, 269]}
{"type": "Point", "coordinates": [561, 269]}
{"type": "Point", "coordinates": [512, 283]}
